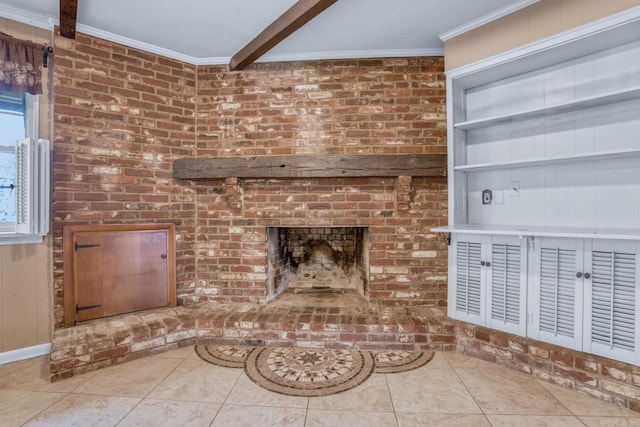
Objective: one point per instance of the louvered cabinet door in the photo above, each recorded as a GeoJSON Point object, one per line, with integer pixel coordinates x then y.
{"type": "Point", "coordinates": [506, 284]}
{"type": "Point", "coordinates": [465, 269]}
{"type": "Point", "coordinates": [556, 291]}
{"type": "Point", "coordinates": [612, 299]}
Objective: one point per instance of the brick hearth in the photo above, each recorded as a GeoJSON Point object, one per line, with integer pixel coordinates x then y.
{"type": "Point", "coordinates": [115, 340]}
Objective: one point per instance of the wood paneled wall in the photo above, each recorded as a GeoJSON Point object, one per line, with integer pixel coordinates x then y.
{"type": "Point", "coordinates": [536, 22]}
{"type": "Point", "coordinates": [26, 270]}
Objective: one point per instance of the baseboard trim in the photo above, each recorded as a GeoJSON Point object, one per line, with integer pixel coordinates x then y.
{"type": "Point", "coordinates": [24, 353]}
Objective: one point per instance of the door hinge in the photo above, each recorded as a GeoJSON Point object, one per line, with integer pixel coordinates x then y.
{"type": "Point", "coordinates": [79, 246]}
{"type": "Point", "coordinates": [448, 239]}
{"type": "Point", "coordinates": [86, 307]}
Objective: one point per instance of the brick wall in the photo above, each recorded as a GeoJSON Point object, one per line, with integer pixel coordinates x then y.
{"type": "Point", "coordinates": [381, 106]}
{"type": "Point", "coordinates": [121, 116]}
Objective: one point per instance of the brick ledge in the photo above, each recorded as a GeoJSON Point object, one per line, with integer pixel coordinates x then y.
{"type": "Point", "coordinates": [100, 343]}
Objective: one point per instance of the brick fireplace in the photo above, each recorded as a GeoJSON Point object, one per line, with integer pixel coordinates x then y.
{"type": "Point", "coordinates": [123, 116]}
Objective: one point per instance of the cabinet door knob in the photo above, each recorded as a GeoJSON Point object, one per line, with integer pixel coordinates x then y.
{"type": "Point", "coordinates": [587, 275]}
{"type": "Point", "coordinates": [488, 264]}
{"type": "Point", "coordinates": [578, 274]}
{"type": "Point", "coordinates": [482, 263]}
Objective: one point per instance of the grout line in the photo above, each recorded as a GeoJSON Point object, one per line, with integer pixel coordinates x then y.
{"type": "Point", "coordinates": [393, 407]}
{"type": "Point", "coordinates": [473, 397]}
{"type": "Point", "coordinates": [151, 391]}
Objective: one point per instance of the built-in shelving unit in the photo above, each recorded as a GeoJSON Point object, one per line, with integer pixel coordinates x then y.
{"type": "Point", "coordinates": [544, 189]}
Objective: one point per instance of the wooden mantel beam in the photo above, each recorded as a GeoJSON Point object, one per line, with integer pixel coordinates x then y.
{"type": "Point", "coordinates": [68, 14]}
{"type": "Point", "coordinates": [294, 18]}
{"type": "Point", "coordinates": [370, 165]}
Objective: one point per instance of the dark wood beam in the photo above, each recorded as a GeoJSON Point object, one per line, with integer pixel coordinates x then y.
{"type": "Point", "coordinates": [298, 15]}
{"type": "Point", "coordinates": [363, 165]}
{"type": "Point", "coordinates": [68, 14]}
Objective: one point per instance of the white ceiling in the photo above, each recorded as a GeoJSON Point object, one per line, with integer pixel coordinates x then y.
{"type": "Point", "coordinates": [211, 31]}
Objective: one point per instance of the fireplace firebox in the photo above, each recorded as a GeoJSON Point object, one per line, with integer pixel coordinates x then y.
{"type": "Point", "coordinates": [317, 259]}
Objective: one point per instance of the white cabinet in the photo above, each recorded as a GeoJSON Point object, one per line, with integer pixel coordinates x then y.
{"type": "Point", "coordinates": [612, 300]}
{"type": "Point", "coordinates": [581, 294]}
{"type": "Point", "coordinates": [544, 189]}
{"type": "Point", "coordinates": [489, 277]}
{"type": "Point", "coordinates": [467, 297]}
{"type": "Point", "coordinates": [584, 295]}
{"type": "Point", "coordinates": [556, 291]}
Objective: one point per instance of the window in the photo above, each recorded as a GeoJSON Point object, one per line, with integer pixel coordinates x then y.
{"type": "Point", "coordinates": [24, 171]}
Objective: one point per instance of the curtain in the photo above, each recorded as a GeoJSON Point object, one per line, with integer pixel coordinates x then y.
{"type": "Point", "coordinates": [20, 65]}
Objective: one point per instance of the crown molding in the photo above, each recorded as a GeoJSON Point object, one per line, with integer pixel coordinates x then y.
{"type": "Point", "coordinates": [137, 44]}
{"type": "Point", "coordinates": [350, 54]}
{"type": "Point", "coordinates": [19, 15]}
{"type": "Point", "coordinates": [224, 60]}
{"type": "Point", "coordinates": [507, 10]}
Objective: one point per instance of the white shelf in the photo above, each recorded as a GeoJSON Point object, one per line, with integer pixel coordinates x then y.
{"type": "Point", "coordinates": [604, 155]}
{"type": "Point", "coordinates": [577, 104]}
{"type": "Point", "coordinates": [541, 231]}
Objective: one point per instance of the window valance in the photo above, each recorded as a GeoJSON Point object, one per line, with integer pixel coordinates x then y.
{"type": "Point", "coordinates": [20, 65]}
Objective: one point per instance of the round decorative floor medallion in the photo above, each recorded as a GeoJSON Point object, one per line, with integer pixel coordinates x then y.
{"type": "Point", "coordinates": [308, 372]}
{"type": "Point", "coordinates": [390, 362]}
{"type": "Point", "coordinates": [228, 356]}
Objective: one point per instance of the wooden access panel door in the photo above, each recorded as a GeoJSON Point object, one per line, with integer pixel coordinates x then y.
{"type": "Point", "coordinates": [117, 269]}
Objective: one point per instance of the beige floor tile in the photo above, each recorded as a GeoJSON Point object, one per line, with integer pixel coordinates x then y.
{"type": "Point", "coordinates": [460, 360]}
{"type": "Point", "coordinates": [611, 421]}
{"type": "Point", "coordinates": [85, 410]}
{"type": "Point", "coordinates": [33, 374]}
{"type": "Point", "coordinates": [263, 416]}
{"type": "Point", "coordinates": [442, 420]}
{"type": "Point", "coordinates": [179, 353]}
{"type": "Point", "coordinates": [132, 379]}
{"type": "Point", "coordinates": [534, 421]}
{"type": "Point", "coordinates": [246, 392]}
{"type": "Point", "coordinates": [19, 406]}
{"type": "Point", "coordinates": [439, 361]}
{"type": "Point", "coordinates": [372, 395]}
{"type": "Point", "coordinates": [583, 404]}
{"type": "Point", "coordinates": [503, 391]}
{"type": "Point", "coordinates": [430, 390]}
{"type": "Point", "coordinates": [318, 418]}
{"type": "Point", "coordinates": [197, 381]}
{"type": "Point", "coordinates": [151, 412]}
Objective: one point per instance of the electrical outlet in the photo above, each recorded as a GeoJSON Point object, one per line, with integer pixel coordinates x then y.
{"type": "Point", "coordinates": [514, 189]}
{"type": "Point", "coordinates": [486, 197]}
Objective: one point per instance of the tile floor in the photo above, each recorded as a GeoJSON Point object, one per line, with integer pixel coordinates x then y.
{"type": "Point", "coordinates": [178, 389]}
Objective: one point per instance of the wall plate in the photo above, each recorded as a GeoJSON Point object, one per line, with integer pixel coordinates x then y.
{"type": "Point", "coordinates": [514, 189]}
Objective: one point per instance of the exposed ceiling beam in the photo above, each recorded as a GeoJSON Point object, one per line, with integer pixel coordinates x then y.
{"type": "Point", "coordinates": [294, 18]}
{"type": "Point", "coordinates": [68, 13]}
